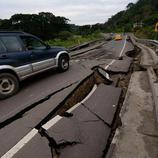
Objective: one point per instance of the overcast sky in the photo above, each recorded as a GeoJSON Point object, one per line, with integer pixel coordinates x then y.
{"type": "Point", "coordinates": [78, 11]}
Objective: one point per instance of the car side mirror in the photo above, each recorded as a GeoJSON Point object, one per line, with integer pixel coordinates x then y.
{"type": "Point", "coordinates": [30, 48]}
{"type": "Point", "coordinates": [47, 46]}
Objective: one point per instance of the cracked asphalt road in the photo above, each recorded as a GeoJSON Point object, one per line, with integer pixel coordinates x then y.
{"type": "Point", "coordinates": [42, 93]}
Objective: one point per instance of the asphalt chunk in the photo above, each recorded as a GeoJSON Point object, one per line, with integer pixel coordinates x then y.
{"type": "Point", "coordinates": [104, 102]}
{"type": "Point", "coordinates": [65, 131]}
{"type": "Point", "coordinates": [121, 66]}
{"type": "Point", "coordinates": [82, 135]}
{"type": "Point", "coordinates": [104, 74]}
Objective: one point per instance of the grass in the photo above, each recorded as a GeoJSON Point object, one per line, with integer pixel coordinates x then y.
{"type": "Point", "coordinates": [74, 40]}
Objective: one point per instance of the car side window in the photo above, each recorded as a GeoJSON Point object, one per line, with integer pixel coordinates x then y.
{"type": "Point", "coordinates": [32, 43]}
{"type": "Point", "coordinates": [2, 48]}
{"type": "Point", "coordinates": [11, 43]}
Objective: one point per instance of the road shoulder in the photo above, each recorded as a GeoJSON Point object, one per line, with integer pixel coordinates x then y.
{"type": "Point", "coordinates": [138, 136]}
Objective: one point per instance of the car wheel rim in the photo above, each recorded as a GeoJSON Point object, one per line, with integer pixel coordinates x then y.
{"type": "Point", "coordinates": [6, 86]}
{"type": "Point", "coordinates": [64, 64]}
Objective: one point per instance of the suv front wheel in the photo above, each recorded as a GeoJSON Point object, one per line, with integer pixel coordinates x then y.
{"type": "Point", "coordinates": [9, 85]}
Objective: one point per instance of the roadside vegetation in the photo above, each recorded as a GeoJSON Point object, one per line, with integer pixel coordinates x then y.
{"type": "Point", "coordinates": [55, 30]}
{"type": "Point", "coordinates": [147, 33]}
{"type": "Point", "coordinates": [73, 40]}
{"type": "Point", "coordinates": [139, 18]}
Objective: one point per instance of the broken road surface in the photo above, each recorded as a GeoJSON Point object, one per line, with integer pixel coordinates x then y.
{"type": "Point", "coordinates": [38, 122]}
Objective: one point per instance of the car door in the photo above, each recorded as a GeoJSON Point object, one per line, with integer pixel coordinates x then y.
{"type": "Point", "coordinates": [41, 56]}
{"type": "Point", "coordinates": [14, 55]}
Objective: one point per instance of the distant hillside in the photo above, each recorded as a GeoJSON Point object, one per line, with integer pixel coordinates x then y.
{"type": "Point", "coordinates": [145, 11]}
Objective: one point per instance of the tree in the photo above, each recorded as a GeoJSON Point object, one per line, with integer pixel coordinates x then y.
{"type": "Point", "coordinates": [45, 24]}
{"type": "Point", "coordinates": [130, 5]}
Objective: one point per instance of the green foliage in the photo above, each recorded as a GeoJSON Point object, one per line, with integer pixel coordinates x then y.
{"type": "Point", "coordinates": [45, 24]}
{"type": "Point", "coordinates": [64, 35]}
{"type": "Point", "coordinates": [51, 28]}
{"type": "Point", "coordinates": [145, 11]}
{"type": "Point", "coordinates": [130, 5]}
{"type": "Point", "coordinates": [74, 40]}
{"type": "Point", "coordinates": [146, 32]}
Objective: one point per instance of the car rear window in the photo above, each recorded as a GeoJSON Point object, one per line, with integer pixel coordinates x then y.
{"type": "Point", "coordinates": [11, 43]}
{"type": "Point", "coordinates": [2, 48]}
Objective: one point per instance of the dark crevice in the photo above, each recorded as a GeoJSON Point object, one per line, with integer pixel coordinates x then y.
{"type": "Point", "coordinates": [54, 147]}
{"type": "Point", "coordinates": [22, 112]}
{"type": "Point", "coordinates": [67, 102]}
{"type": "Point", "coordinates": [52, 142]}
{"type": "Point", "coordinates": [132, 54]}
{"type": "Point", "coordinates": [76, 96]}
{"type": "Point", "coordinates": [68, 115]}
{"type": "Point", "coordinates": [106, 80]}
{"type": "Point", "coordinates": [123, 82]}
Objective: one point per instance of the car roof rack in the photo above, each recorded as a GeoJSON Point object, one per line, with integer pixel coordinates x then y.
{"type": "Point", "coordinates": [7, 31]}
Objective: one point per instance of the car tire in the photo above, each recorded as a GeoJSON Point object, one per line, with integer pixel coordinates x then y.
{"type": "Point", "coordinates": [63, 63]}
{"type": "Point", "coordinates": [9, 85]}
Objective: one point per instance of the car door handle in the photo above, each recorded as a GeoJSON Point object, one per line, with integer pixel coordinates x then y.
{"type": "Point", "coordinates": [3, 56]}
{"type": "Point", "coordinates": [32, 54]}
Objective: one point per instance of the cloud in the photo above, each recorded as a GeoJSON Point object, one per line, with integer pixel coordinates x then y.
{"type": "Point", "coordinates": [78, 11]}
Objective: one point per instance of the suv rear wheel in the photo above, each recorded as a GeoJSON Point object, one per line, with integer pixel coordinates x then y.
{"type": "Point", "coordinates": [63, 63]}
{"type": "Point", "coordinates": [9, 85]}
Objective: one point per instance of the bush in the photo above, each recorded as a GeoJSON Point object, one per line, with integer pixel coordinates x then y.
{"type": "Point", "coordinates": [146, 32]}
{"type": "Point", "coordinates": [64, 35]}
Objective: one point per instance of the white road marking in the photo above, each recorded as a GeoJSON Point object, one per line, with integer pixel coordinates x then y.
{"type": "Point", "coordinates": [28, 137]}
{"type": "Point", "coordinates": [124, 46]}
{"type": "Point", "coordinates": [107, 76]}
{"type": "Point", "coordinates": [20, 144]}
{"type": "Point", "coordinates": [52, 122]}
{"type": "Point", "coordinates": [90, 94]}
{"type": "Point", "coordinates": [74, 107]}
{"type": "Point", "coordinates": [110, 64]}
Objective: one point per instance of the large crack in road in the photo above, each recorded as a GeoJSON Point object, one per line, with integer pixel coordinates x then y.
{"type": "Point", "coordinates": [22, 112]}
